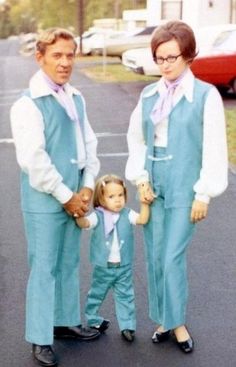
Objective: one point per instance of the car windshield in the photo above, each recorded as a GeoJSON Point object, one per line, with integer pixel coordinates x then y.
{"type": "Point", "coordinates": [147, 30]}
{"type": "Point", "coordinates": [226, 41]}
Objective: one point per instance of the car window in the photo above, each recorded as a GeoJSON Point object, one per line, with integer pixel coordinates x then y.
{"type": "Point", "coordinates": [226, 41]}
{"type": "Point", "coordinates": [147, 30]}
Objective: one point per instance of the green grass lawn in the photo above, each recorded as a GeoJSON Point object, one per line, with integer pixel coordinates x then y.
{"type": "Point", "coordinates": [231, 134]}
{"type": "Point", "coordinates": [108, 73]}
{"type": "Point", "coordinates": [117, 73]}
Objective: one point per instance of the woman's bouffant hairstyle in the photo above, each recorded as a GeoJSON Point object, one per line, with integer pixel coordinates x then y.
{"type": "Point", "coordinates": [179, 31]}
{"type": "Point", "coordinates": [51, 36]}
{"type": "Point", "coordinates": [101, 184]}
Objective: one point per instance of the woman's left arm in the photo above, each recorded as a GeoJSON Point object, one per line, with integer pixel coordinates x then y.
{"type": "Point", "coordinates": [213, 178]}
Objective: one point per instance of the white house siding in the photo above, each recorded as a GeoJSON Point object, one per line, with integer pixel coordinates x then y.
{"type": "Point", "coordinates": [197, 13]}
{"type": "Point", "coordinates": [203, 12]}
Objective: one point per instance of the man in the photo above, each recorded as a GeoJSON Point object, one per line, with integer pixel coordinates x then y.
{"type": "Point", "coordinates": [56, 150]}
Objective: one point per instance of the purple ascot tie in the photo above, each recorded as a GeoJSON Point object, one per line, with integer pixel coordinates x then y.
{"type": "Point", "coordinates": [164, 104]}
{"type": "Point", "coordinates": [63, 98]}
{"type": "Point", "coordinates": [110, 219]}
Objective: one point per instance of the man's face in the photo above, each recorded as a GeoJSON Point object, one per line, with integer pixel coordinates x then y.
{"type": "Point", "coordinates": [58, 60]}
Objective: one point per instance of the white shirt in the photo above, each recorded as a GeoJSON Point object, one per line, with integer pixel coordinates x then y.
{"type": "Point", "coordinates": [213, 178]}
{"type": "Point", "coordinates": [28, 134]}
{"type": "Point", "coordinates": [114, 255]}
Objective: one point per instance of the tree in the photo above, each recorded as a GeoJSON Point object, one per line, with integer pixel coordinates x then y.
{"type": "Point", "coordinates": [5, 23]}
{"type": "Point", "coordinates": [109, 9]}
{"type": "Point", "coordinates": [18, 16]}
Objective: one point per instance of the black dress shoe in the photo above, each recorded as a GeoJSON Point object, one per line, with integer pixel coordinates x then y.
{"type": "Point", "coordinates": [159, 337]}
{"type": "Point", "coordinates": [44, 355]}
{"type": "Point", "coordinates": [77, 332]}
{"type": "Point", "coordinates": [186, 346]}
{"type": "Point", "coordinates": [128, 335]}
{"type": "Point", "coordinates": [101, 328]}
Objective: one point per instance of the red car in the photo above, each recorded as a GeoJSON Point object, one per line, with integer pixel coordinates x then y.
{"type": "Point", "coordinates": [219, 65]}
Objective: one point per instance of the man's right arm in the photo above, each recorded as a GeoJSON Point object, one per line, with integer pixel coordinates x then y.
{"type": "Point", "coordinates": [28, 134]}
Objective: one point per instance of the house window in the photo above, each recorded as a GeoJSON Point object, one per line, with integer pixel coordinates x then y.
{"type": "Point", "coordinates": [171, 9]}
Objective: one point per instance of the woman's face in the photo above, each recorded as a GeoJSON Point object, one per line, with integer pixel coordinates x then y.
{"type": "Point", "coordinates": [171, 71]}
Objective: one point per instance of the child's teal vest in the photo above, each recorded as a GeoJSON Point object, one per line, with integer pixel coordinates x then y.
{"type": "Point", "coordinates": [185, 137]}
{"type": "Point", "coordinates": [100, 246]}
{"type": "Point", "coordinates": [61, 147]}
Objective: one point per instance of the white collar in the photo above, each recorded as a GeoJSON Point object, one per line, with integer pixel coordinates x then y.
{"type": "Point", "coordinates": [39, 88]}
{"type": "Point", "coordinates": [186, 87]}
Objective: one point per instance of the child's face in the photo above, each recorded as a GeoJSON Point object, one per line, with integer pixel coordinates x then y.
{"type": "Point", "coordinates": [114, 197]}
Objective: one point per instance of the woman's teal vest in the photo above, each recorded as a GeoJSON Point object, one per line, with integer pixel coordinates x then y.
{"type": "Point", "coordinates": [100, 246]}
{"type": "Point", "coordinates": [61, 147]}
{"type": "Point", "coordinates": [185, 138]}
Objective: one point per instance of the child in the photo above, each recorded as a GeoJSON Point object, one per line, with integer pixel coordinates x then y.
{"type": "Point", "coordinates": [111, 253]}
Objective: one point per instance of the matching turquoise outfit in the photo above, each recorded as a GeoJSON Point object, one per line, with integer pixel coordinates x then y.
{"type": "Point", "coordinates": [52, 235]}
{"type": "Point", "coordinates": [173, 172]}
{"type": "Point", "coordinates": [112, 275]}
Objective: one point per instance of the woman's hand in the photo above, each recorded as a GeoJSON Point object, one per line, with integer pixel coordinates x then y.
{"type": "Point", "coordinates": [146, 194]}
{"type": "Point", "coordinates": [199, 211]}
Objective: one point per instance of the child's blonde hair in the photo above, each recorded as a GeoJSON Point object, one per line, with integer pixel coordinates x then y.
{"type": "Point", "coordinates": [101, 184]}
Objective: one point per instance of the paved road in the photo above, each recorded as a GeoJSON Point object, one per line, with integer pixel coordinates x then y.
{"type": "Point", "coordinates": [212, 256]}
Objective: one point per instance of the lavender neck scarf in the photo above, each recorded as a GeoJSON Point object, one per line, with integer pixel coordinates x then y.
{"type": "Point", "coordinates": [110, 219]}
{"type": "Point", "coordinates": [64, 99]}
{"type": "Point", "coordinates": [164, 104]}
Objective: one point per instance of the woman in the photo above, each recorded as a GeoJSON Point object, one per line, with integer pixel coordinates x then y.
{"type": "Point", "coordinates": [178, 160]}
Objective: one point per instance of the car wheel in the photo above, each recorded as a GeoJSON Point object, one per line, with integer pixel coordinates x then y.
{"type": "Point", "coordinates": [223, 90]}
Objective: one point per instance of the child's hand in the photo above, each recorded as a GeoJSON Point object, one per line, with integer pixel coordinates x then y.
{"type": "Point", "coordinates": [146, 194]}
{"type": "Point", "coordinates": [82, 222]}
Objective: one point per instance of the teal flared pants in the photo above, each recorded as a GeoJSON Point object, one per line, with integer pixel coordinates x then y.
{"type": "Point", "coordinates": [120, 280]}
{"type": "Point", "coordinates": [167, 236]}
{"type": "Point", "coordinates": [53, 287]}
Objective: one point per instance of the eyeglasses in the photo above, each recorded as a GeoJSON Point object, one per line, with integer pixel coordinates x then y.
{"type": "Point", "coordinates": [170, 59]}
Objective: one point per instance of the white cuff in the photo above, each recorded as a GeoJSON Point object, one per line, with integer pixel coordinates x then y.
{"type": "Point", "coordinates": [202, 197]}
{"type": "Point", "coordinates": [62, 193]}
{"type": "Point", "coordinates": [141, 179]}
{"type": "Point", "coordinates": [88, 180]}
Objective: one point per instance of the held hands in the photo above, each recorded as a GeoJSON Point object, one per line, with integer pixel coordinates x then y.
{"type": "Point", "coordinates": [146, 194]}
{"type": "Point", "coordinates": [78, 205]}
{"type": "Point", "coordinates": [199, 211]}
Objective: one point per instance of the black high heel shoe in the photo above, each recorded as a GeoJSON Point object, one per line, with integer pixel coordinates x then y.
{"type": "Point", "coordinates": [160, 336]}
{"type": "Point", "coordinates": [186, 346]}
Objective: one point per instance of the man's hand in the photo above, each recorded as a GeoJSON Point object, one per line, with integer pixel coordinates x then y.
{"type": "Point", "coordinates": [199, 211]}
{"type": "Point", "coordinates": [146, 194]}
{"type": "Point", "coordinates": [78, 205]}
{"type": "Point", "coordinates": [86, 194]}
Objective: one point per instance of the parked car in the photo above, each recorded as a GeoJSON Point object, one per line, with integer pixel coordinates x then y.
{"type": "Point", "coordinates": [219, 65]}
{"type": "Point", "coordinates": [95, 39]}
{"type": "Point", "coordinates": [206, 36]}
{"type": "Point", "coordinates": [141, 61]}
{"type": "Point", "coordinates": [27, 43]}
{"type": "Point", "coordinates": [136, 39]}
{"type": "Point", "coordinates": [86, 40]}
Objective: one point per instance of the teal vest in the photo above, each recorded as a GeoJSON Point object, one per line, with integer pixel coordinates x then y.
{"type": "Point", "coordinates": [100, 246]}
{"type": "Point", "coordinates": [61, 147]}
{"type": "Point", "coordinates": [185, 137]}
